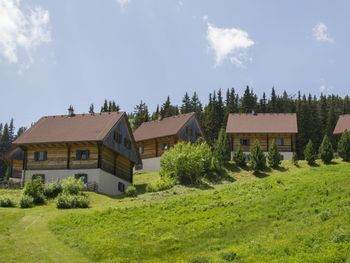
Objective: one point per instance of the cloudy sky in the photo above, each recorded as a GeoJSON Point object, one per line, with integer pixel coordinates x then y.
{"type": "Point", "coordinates": [57, 53]}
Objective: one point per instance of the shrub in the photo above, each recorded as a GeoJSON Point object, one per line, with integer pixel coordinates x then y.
{"type": "Point", "coordinates": [326, 150]}
{"type": "Point", "coordinates": [35, 189]}
{"type": "Point", "coordinates": [222, 147]}
{"type": "Point", "coordinates": [309, 153]}
{"type": "Point", "coordinates": [72, 186]}
{"type": "Point", "coordinates": [344, 146]}
{"type": "Point", "coordinates": [52, 190]}
{"type": "Point", "coordinates": [131, 191]}
{"type": "Point", "coordinates": [188, 163]}
{"type": "Point", "coordinates": [274, 157]}
{"type": "Point", "coordinates": [239, 157]}
{"type": "Point", "coordinates": [257, 157]}
{"type": "Point", "coordinates": [66, 201]}
{"type": "Point", "coordinates": [229, 256]}
{"type": "Point", "coordinates": [26, 201]}
{"type": "Point", "coordinates": [295, 159]}
{"type": "Point", "coordinates": [6, 202]}
{"type": "Point", "coordinates": [164, 184]}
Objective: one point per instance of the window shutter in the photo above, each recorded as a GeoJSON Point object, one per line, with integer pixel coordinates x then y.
{"type": "Point", "coordinates": [45, 156]}
{"type": "Point", "coordinates": [36, 156]}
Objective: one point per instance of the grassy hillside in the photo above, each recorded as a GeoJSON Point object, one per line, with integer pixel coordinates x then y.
{"type": "Point", "coordinates": [291, 215]}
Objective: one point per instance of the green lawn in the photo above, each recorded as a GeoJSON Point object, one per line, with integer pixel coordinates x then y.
{"type": "Point", "coordinates": [292, 215]}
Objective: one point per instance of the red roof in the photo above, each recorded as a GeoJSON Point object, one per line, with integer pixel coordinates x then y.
{"type": "Point", "coordinates": [262, 123]}
{"type": "Point", "coordinates": [161, 128]}
{"type": "Point", "coordinates": [342, 124]}
{"type": "Point", "coordinates": [79, 128]}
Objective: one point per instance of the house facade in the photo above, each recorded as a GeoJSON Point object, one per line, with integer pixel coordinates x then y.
{"type": "Point", "coordinates": [244, 129]}
{"type": "Point", "coordinates": [155, 137]}
{"type": "Point", "coordinates": [98, 148]}
{"type": "Point", "coordinates": [343, 124]}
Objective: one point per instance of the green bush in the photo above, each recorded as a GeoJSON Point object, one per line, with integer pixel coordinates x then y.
{"type": "Point", "coordinates": [72, 186]}
{"type": "Point", "coordinates": [295, 159]}
{"type": "Point", "coordinates": [5, 201]}
{"type": "Point", "coordinates": [239, 158]}
{"type": "Point", "coordinates": [309, 153]}
{"type": "Point", "coordinates": [131, 191]}
{"type": "Point", "coordinates": [188, 163]}
{"type": "Point", "coordinates": [222, 148]}
{"type": "Point", "coordinates": [274, 157]}
{"type": "Point", "coordinates": [326, 150]}
{"type": "Point", "coordinates": [66, 201]}
{"type": "Point", "coordinates": [52, 190]}
{"type": "Point", "coordinates": [26, 201]}
{"type": "Point", "coordinates": [344, 146]}
{"type": "Point", "coordinates": [257, 158]}
{"type": "Point", "coordinates": [164, 184]}
{"type": "Point", "coordinates": [35, 189]}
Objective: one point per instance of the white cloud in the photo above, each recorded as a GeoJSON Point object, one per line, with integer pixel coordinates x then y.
{"type": "Point", "coordinates": [229, 43]}
{"type": "Point", "coordinates": [22, 29]}
{"type": "Point", "coordinates": [321, 33]}
{"type": "Point", "coordinates": [123, 4]}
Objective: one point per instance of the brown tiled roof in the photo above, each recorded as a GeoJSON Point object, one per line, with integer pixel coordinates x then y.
{"type": "Point", "coordinates": [160, 128]}
{"type": "Point", "coordinates": [342, 124]}
{"type": "Point", "coordinates": [262, 123]}
{"type": "Point", "coordinates": [79, 128]}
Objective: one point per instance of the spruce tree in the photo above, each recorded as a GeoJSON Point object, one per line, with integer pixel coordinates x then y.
{"type": "Point", "coordinates": [274, 157]}
{"type": "Point", "coordinates": [11, 130]}
{"type": "Point", "coordinates": [104, 108]}
{"type": "Point", "coordinates": [344, 146]}
{"type": "Point", "coordinates": [91, 109]}
{"type": "Point", "coordinates": [326, 150]}
{"type": "Point", "coordinates": [273, 101]}
{"type": "Point", "coordinates": [186, 106]}
{"type": "Point", "coordinates": [222, 147]}
{"type": "Point", "coordinates": [257, 158]}
{"type": "Point", "coordinates": [309, 153]}
{"type": "Point", "coordinates": [156, 114]}
{"type": "Point", "coordinates": [239, 157]}
{"type": "Point", "coordinates": [140, 115]}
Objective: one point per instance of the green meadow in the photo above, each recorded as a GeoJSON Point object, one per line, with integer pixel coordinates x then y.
{"type": "Point", "coordinates": [294, 214]}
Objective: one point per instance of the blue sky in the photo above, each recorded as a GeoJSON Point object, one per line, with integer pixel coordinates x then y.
{"type": "Point", "coordinates": [57, 53]}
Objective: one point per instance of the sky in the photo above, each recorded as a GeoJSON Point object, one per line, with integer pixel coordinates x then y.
{"type": "Point", "coordinates": [57, 53]}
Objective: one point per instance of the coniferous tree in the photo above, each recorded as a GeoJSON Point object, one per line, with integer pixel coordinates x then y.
{"type": "Point", "coordinates": [257, 157]}
{"type": "Point", "coordinates": [104, 108]}
{"type": "Point", "coordinates": [326, 150]}
{"type": "Point", "coordinates": [5, 143]}
{"type": "Point", "coordinates": [273, 101]}
{"type": "Point", "coordinates": [168, 110]}
{"type": "Point", "coordinates": [140, 115]}
{"type": "Point", "coordinates": [196, 105]}
{"type": "Point", "coordinates": [91, 109]}
{"type": "Point", "coordinates": [248, 101]}
{"type": "Point", "coordinates": [222, 147]}
{"type": "Point", "coordinates": [239, 157]}
{"type": "Point", "coordinates": [274, 157]}
{"type": "Point", "coordinates": [263, 104]}
{"type": "Point", "coordinates": [186, 106]}
{"type": "Point", "coordinates": [309, 153]}
{"type": "Point", "coordinates": [20, 131]}
{"type": "Point", "coordinates": [156, 114]}
{"type": "Point", "coordinates": [344, 146]}
{"type": "Point", "coordinates": [11, 129]}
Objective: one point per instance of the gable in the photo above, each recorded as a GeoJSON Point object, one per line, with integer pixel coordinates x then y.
{"type": "Point", "coordinates": [193, 126]}
{"type": "Point", "coordinates": [123, 128]}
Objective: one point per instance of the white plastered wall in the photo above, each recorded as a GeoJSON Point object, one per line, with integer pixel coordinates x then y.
{"type": "Point", "coordinates": [150, 165]}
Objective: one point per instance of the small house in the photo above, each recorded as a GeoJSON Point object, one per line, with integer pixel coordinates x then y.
{"type": "Point", "coordinates": [343, 124]}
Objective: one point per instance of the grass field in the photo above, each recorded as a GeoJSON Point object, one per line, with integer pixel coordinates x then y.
{"type": "Point", "coordinates": [292, 215]}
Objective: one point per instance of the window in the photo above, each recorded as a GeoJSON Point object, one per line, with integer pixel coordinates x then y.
{"type": "Point", "coordinates": [127, 143]}
{"type": "Point", "coordinates": [82, 177]}
{"type": "Point", "coordinates": [165, 146]}
{"type": "Point", "coordinates": [280, 141]}
{"type": "Point", "coordinates": [118, 137]}
{"type": "Point", "coordinates": [82, 154]}
{"type": "Point", "coordinates": [141, 149]}
{"type": "Point", "coordinates": [245, 142]}
{"type": "Point", "coordinates": [121, 187]}
{"type": "Point", "coordinates": [40, 176]}
{"type": "Point", "coordinates": [40, 156]}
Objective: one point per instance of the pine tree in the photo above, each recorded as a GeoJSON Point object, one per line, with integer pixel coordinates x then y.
{"type": "Point", "coordinates": [326, 150]}
{"type": "Point", "coordinates": [156, 114]}
{"type": "Point", "coordinates": [239, 157]}
{"type": "Point", "coordinates": [168, 110]}
{"type": "Point", "coordinates": [140, 115]}
{"type": "Point", "coordinates": [11, 131]}
{"type": "Point", "coordinates": [104, 108]}
{"type": "Point", "coordinates": [309, 153]}
{"type": "Point", "coordinates": [263, 104]}
{"type": "Point", "coordinates": [344, 146]}
{"type": "Point", "coordinates": [186, 106]}
{"type": "Point", "coordinates": [91, 109]}
{"type": "Point", "coordinates": [20, 131]}
{"type": "Point", "coordinates": [222, 147]}
{"type": "Point", "coordinates": [273, 101]}
{"type": "Point", "coordinates": [257, 158]}
{"type": "Point", "coordinates": [5, 142]}
{"type": "Point", "coordinates": [274, 157]}
{"type": "Point", "coordinates": [248, 101]}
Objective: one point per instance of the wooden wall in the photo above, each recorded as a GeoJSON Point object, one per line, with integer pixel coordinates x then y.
{"type": "Point", "coordinates": [17, 167]}
{"type": "Point", "coordinates": [265, 141]}
{"type": "Point", "coordinates": [153, 147]}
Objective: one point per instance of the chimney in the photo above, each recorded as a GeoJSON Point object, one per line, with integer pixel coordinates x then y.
{"type": "Point", "coordinates": [71, 111]}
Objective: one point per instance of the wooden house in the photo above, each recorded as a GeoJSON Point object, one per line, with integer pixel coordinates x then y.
{"type": "Point", "coordinates": [244, 129]}
{"type": "Point", "coordinates": [98, 148]}
{"type": "Point", "coordinates": [343, 124]}
{"type": "Point", "coordinates": [153, 138]}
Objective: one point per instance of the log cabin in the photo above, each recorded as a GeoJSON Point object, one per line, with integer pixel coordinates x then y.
{"type": "Point", "coordinates": [343, 124]}
{"type": "Point", "coordinates": [97, 148]}
{"type": "Point", "coordinates": [244, 129]}
{"type": "Point", "coordinates": [153, 138]}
